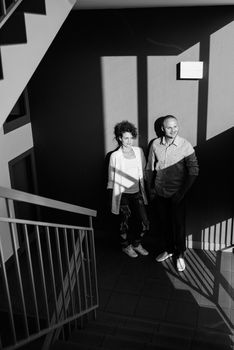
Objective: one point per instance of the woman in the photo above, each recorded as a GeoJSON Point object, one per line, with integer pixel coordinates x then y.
{"type": "Point", "coordinates": [127, 192]}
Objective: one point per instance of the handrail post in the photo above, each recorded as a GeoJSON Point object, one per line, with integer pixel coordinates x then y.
{"type": "Point", "coordinates": [18, 270]}
{"type": "Point", "coordinates": [4, 276]}
{"type": "Point", "coordinates": [93, 255]}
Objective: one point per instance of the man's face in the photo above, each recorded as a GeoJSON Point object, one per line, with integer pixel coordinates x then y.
{"type": "Point", "coordinates": [170, 128]}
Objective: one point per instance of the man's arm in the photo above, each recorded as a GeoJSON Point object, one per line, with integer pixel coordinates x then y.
{"type": "Point", "coordinates": [191, 164]}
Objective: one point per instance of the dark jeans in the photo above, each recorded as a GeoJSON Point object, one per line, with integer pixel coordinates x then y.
{"type": "Point", "coordinates": [172, 224]}
{"type": "Point", "coordinates": [132, 207]}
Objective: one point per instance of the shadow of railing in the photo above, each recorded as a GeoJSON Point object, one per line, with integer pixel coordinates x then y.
{"type": "Point", "coordinates": [205, 279]}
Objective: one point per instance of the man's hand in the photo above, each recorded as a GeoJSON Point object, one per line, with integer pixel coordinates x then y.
{"type": "Point", "coordinates": [178, 196]}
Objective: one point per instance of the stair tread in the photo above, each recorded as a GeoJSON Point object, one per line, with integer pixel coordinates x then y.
{"type": "Point", "coordinates": [68, 345]}
{"type": "Point", "coordinates": [159, 337]}
{"type": "Point", "coordinates": [164, 326]}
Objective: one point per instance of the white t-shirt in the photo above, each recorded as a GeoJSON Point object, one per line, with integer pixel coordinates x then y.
{"type": "Point", "coordinates": [131, 176]}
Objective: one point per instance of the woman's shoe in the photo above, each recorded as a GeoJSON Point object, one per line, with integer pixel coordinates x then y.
{"type": "Point", "coordinates": [130, 251]}
{"type": "Point", "coordinates": [139, 249]}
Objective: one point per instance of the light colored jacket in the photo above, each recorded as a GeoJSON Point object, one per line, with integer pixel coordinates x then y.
{"type": "Point", "coordinates": [116, 173]}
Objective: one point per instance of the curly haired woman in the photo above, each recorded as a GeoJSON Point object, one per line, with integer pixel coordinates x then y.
{"type": "Point", "coordinates": [127, 191]}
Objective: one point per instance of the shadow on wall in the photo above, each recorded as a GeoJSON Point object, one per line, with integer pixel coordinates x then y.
{"type": "Point", "coordinates": [68, 127]}
{"type": "Point", "coordinates": [210, 201]}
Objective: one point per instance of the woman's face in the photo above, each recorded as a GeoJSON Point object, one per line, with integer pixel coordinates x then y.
{"type": "Point", "coordinates": [126, 139]}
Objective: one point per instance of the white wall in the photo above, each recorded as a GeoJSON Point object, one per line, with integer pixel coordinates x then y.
{"type": "Point", "coordinates": [221, 81]}
{"type": "Point", "coordinates": [12, 145]}
{"type": "Point", "coordinates": [20, 61]}
{"type": "Point", "coordinates": [119, 82]}
{"type": "Point", "coordinates": [167, 95]}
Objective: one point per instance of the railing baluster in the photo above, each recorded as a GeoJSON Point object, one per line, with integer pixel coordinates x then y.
{"type": "Point", "coordinates": [52, 271]}
{"type": "Point", "coordinates": [42, 274]}
{"type": "Point", "coordinates": [88, 268]}
{"type": "Point", "coordinates": [8, 10]}
{"type": "Point", "coordinates": [60, 270]}
{"type": "Point", "coordinates": [3, 6]}
{"type": "Point", "coordinates": [3, 268]}
{"type": "Point", "coordinates": [68, 269]}
{"type": "Point", "coordinates": [18, 272]}
{"type": "Point", "coordinates": [94, 265]}
{"type": "Point", "coordinates": [83, 269]}
{"type": "Point", "coordinates": [28, 252]}
{"type": "Point", "coordinates": [76, 272]}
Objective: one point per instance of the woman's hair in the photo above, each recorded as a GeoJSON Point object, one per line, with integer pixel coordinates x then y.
{"type": "Point", "coordinates": [123, 127]}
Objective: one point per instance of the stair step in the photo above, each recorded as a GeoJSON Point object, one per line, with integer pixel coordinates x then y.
{"type": "Point", "coordinates": [14, 30]}
{"type": "Point", "coordinates": [111, 331]}
{"type": "Point", "coordinates": [67, 345]}
{"type": "Point", "coordinates": [19, 323]}
{"type": "Point", "coordinates": [88, 338]}
{"type": "Point", "coordinates": [36, 7]}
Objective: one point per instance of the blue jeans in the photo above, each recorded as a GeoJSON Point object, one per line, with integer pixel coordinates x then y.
{"type": "Point", "coordinates": [132, 207]}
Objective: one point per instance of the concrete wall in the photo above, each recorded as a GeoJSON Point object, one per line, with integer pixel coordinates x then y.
{"type": "Point", "coordinates": [12, 145]}
{"type": "Point", "coordinates": [106, 66]}
{"type": "Point", "coordinates": [19, 61]}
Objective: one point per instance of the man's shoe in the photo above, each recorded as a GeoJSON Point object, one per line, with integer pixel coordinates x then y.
{"type": "Point", "coordinates": [180, 264]}
{"type": "Point", "coordinates": [130, 251]}
{"type": "Point", "coordinates": [139, 249]}
{"type": "Point", "coordinates": [163, 256]}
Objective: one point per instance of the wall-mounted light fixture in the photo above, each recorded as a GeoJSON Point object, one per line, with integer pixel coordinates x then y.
{"type": "Point", "coordinates": [190, 70]}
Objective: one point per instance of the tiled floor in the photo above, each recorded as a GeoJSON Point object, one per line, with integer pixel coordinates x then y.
{"type": "Point", "coordinates": [200, 298]}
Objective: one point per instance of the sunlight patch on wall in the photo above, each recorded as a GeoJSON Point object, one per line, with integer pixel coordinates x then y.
{"type": "Point", "coordinates": [221, 77]}
{"type": "Point", "coordinates": [215, 237]}
{"type": "Point", "coordinates": [119, 89]}
{"type": "Point", "coordinates": [167, 95]}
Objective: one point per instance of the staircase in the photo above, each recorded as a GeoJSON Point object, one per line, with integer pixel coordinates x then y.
{"type": "Point", "coordinates": [49, 283]}
{"type": "Point", "coordinates": [24, 39]}
{"type": "Point", "coordinates": [115, 332]}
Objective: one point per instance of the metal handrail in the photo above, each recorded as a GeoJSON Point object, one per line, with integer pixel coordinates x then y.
{"type": "Point", "coordinates": [8, 11]}
{"type": "Point", "coordinates": [60, 283]}
{"type": "Point", "coordinates": [45, 202]}
{"type": "Point", "coordinates": [40, 223]}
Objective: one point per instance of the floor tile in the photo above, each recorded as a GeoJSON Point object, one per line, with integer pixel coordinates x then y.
{"type": "Point", "coordinates": [130, 283]}
{"type": "Point", "coordinates": [150, 308]}
{"type": "Point", "coordinates": [213, 319]}
{"type": "Point", "coordinates": [122, 303]}
{"type": "Point", "coordinates": [104, 296]}
{"type": "Point", "coordinates": [181, 312]}
{"type": "Point", "coordinates": [157, 288]}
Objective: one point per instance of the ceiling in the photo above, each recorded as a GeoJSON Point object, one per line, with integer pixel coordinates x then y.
{"type": "Point", "coordinates": [117, 4]}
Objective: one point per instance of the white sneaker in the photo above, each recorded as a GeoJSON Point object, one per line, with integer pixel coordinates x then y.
{"type": "Point", "coordinates": [130, 251]}
{"type": "Point", "coordinates": [163, 256]}
{"type": "Point", "coordinates": [139, 249]}
{"type": "Point", "coordinates": [180, 264]}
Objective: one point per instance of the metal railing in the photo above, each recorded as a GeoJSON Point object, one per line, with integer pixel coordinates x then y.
{"type": "Point", "coordinates": [50, 280]}
{"type": "Point", "coordinates": [7, 10]}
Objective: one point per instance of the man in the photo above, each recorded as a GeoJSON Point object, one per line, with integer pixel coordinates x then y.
{"type": "Point", "coordinates": [173, 162]}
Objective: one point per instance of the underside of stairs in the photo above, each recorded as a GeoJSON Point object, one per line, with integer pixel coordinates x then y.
{"type": "Point", "coordinates": [24, 39]}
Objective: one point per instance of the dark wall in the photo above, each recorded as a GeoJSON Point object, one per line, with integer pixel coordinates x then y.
{"type": "Point", "coordinates": [66, 90]}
